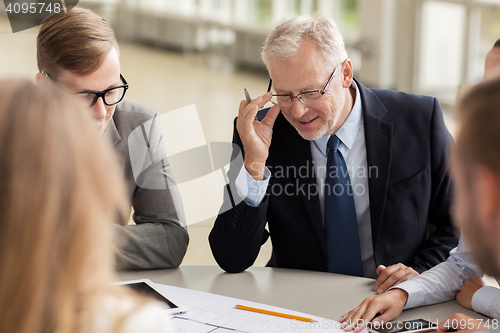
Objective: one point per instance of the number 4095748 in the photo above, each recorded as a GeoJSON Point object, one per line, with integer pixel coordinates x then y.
{"type": "Point", "coordinates": [33, 8]}
{"type": "Point", "coordinates": [464, 324]}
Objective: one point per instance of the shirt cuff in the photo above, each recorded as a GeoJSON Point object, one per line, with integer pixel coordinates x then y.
{"type": "Point", "coordinates": [483, 298]}
{"type": "Point", "coordinates": [250, 190]}
{"type": "Point", "coordinates": [415, 293]}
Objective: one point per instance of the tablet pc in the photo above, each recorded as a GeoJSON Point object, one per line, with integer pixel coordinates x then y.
{"type": "Point", "coordinates": [148, 288]}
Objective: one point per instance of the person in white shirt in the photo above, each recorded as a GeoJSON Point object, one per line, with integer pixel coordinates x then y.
{"type": "Point", "coordinates": [62, 189]}
{"type": "Point", "coordinates": [458, 277]}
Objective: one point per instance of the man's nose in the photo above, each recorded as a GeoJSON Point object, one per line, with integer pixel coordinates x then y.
{"type": "Point", "coordinates": [298, 109]}
{"type": "Point", "coordinates": [99, 109]}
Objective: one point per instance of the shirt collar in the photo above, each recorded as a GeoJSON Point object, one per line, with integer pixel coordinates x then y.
{"type": "Point", "coordinates": [349, 130]}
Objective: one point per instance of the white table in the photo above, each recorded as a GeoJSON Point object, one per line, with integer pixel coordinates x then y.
{"type": "Point", "coordinates": [323, 294]}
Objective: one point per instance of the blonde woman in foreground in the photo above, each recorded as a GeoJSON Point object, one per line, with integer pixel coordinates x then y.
{"type": "Point", "coordinates": [60, 190]}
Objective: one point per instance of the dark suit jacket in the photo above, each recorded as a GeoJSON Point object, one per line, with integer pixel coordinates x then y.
{"type": "Point", "coordinates": [406, 143]}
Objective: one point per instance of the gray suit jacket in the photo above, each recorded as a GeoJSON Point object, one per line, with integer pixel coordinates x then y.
{"type": "Point", "coordinates": [159, 239]}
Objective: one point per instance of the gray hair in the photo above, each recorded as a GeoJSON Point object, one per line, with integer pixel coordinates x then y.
{"type": "Point", "coordinates": [287, 38]}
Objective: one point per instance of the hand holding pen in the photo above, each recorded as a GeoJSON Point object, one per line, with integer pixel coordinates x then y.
{"type": "Point", "coordinates": [256, 135]}
{"type": "Point", "coordinates": [249, 100]}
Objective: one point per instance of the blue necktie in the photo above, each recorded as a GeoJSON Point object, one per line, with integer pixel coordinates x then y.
{"type": "Point", "coordinates": [341, 225]}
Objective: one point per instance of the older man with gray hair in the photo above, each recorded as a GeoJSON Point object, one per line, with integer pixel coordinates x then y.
{"type": "Point", "coordinates": [350, 180]}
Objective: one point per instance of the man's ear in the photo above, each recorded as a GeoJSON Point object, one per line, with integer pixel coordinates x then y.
{"type": "Point", "coordinates": [488, 194]}
{"type": "Point", "coordinates": [347, 73]}
{"type": "Point", "coordinates": [41, 78]}
{"type": "Point", "coordinates": [492, 63]}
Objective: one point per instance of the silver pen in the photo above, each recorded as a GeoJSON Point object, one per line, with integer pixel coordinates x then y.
{"type": "Point", "coordinates": [249, 99]}
{"type": "Point", "coordinates": [247, 95]}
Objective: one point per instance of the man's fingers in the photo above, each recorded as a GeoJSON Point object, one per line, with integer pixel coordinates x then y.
{"type": "Point", "coordinates": [358, 318]}
{"type": "Point", "coordinates": [247, 113]}
{"type": "Point", "coordinates": [370, 312]}
{"type": "Point", "coordinates": [384, 276]}
{"type": "Point", "coordinates": [380, 269]}
{"type": "Point", "coordinates": [346, 316]}
{"type": "Point", "coordinates": [264, 99]}
{"type": "Point", "coordinates": [387, 315]}
{"type": "Point", "coordinates": [385, 282]}
{"type": "Point", "coordinates": [271, 116]}
{"type": "Point", "coordinates": [476, 278]}
{"type": "Point", "coordinates": [446, 325]}
{"type": "Point", "coordinates": [350, 322]}
{"type": "Point", "coordinates": [359, 326]}
{"type": "Point", "coordinates": [383, 319]}
{"type": "Point", "coordinates": [409, 273]}
{"type": "Point", "coordinates": [252, 108]}
{"type": "Point", "coordinates": [403, 279]}
{"type": "Point", "coordinates": [389, 304]}
{"type": "Point", "coordinates": [391, 281]}
{"type": "Point", "coordinates": [381, 279]}
{"type": "Point", "coordinates": [378, 282]}
{"type": "Point", "coordinates": [398, 274]}
{"type": "Point", "coordinates": [241, 109]}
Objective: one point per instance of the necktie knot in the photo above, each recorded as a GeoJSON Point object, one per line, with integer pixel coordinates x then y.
{"type": "Point", "coordinates": [333, 143]}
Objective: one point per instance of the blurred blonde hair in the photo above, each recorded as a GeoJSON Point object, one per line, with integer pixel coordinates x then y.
{"type": "Point", "coordinates": [60, 191]}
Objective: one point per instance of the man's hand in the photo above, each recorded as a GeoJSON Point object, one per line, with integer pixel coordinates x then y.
{"type": "Point", "coordinates": [460, 323]}
{"type": "Point", "coordinates": [386, 307]}
{"type": "Point", "coordinates": [256, 135]}
{"type": "Point", "coordinates": [464, 297]}
{"type": "Point", "coordinates": [391, 276]}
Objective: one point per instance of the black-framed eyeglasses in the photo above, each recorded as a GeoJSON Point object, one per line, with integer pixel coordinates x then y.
{"type": "Point", "coordinates": [109, 96]}
{"type": "Point", "coordinates": [307, 97]}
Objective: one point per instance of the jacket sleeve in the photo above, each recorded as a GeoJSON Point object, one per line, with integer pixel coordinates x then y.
{"type": "Point", "coordinates": [443, 237]}
{"type": "Point", "coordinates": [239, 230]}
{"type": "Point", "coordinates": [159, 239]}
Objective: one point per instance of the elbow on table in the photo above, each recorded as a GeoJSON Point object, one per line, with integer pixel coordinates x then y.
{"type": "Point", "coordinates": [182, 244]}
{"type": "Point", "coordinates": [232, 267]}
{"type": "Point", "coordinates": [226, 257]}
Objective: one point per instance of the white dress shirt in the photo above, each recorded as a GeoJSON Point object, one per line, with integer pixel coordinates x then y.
{"type": "Point", "coordinates": [353, 148]}
{"type": "Point", "coordinates": [442, 283]}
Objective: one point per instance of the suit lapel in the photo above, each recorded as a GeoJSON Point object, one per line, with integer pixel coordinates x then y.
{"type": "Point", "coordinates": [299, 153]}
{"type": "Point", "coordinates": [378, 136]}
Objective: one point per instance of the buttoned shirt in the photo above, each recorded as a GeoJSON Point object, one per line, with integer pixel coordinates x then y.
{"type": "Point", "coordinates": [442, 283]}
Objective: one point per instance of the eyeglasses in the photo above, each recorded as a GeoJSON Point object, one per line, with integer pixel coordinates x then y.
{"type": "Point", "coordinates": [109, 96]}
{"type": "Point", "coordinates": [307, 97]}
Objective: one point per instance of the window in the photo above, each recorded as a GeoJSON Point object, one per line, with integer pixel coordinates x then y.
{"type": "Point", "coordinates": [455, 36]}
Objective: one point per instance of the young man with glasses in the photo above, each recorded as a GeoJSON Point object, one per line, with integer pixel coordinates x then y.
{"type": "Point", "coordinates": [77, 50]}
{"type": "Point", "coordinates": [350, 180]}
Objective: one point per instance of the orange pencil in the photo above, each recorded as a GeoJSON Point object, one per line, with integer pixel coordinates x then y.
{"type": "Point", "coordinates": [273, 313]}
